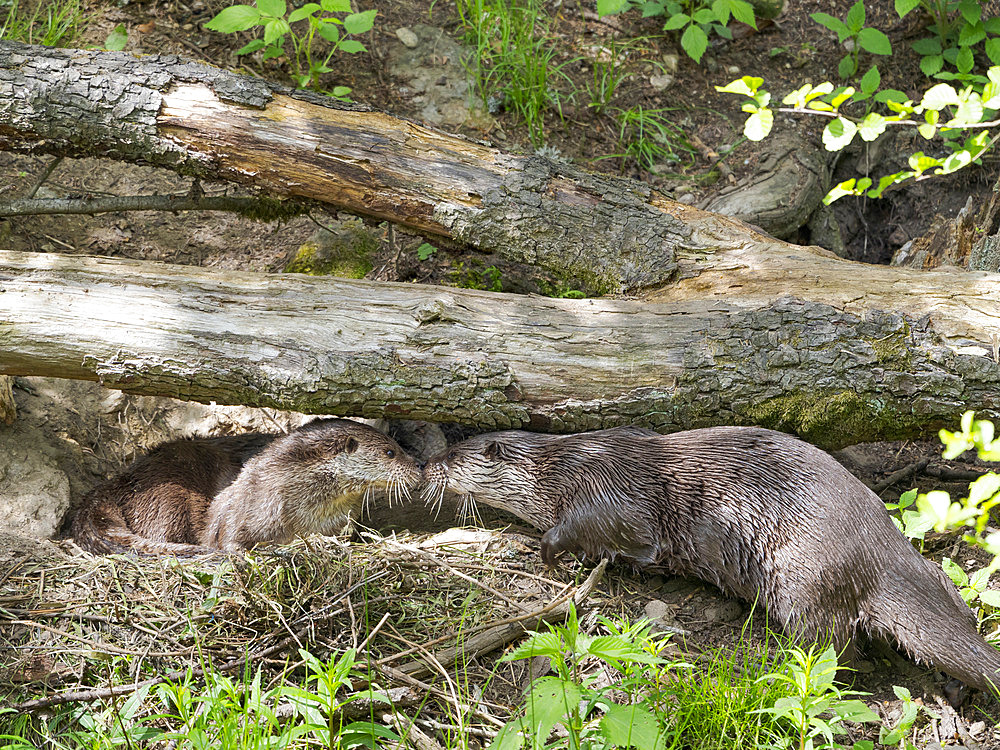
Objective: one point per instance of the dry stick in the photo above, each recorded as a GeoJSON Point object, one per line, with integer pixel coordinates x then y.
{"type": "Point", "coordinates": [48, 206]}
{"type": "Point", "coordinates": [500, 635]}
{"type": "Point", "coordinates": [106, 647]}
{"type": "Point", "coordinates": [900, 475]}
{"type": "Point", "coordinates": [411, 733]}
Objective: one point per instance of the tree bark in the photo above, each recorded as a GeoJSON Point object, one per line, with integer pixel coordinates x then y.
{"type": "Point", "coordinates": [506, 361]}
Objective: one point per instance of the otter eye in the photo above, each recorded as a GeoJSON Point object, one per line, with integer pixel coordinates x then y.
{"type": "Point", "coordinates": [451, 456]}
{"type": "Point", "coordinates": [390, 452]}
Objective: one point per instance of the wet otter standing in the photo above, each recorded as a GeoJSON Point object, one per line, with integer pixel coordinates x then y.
{"type": "Point", "coordinates": [231, 493]}
{"type": "Point", "coordinates": [756, 512]}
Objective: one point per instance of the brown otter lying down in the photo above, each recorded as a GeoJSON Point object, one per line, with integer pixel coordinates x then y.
{"type": "Point", "coordinates": [231, 493]}
{"type": "Point", "coordinates": [758, 513]}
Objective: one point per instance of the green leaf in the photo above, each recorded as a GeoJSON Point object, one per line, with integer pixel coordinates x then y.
{"type": "Point", "coordinates": [234, 18]}
{"type": "Point", "coordinates": [870, 81]}
{"type": "Point", "coordinates": [616, 650]}
{"type": "Point", "coordinates": [340, 92]}
{"type": "Point", "coordinates": [929, 46]}
{"type": "Point", "coordinates": [971, 11]}
{"type": "Point", "coordinates": [990, 598]}
{"type": "Point", "coordinates": [359, 23]}
{"type": "Point", "coordinates": [931, 64]}
{"type": "Point", "coordinates": [610, 7]}
{"type": "Point", "coordinates": [336, 6]}
{"type": "Point", "coordinates": [352, 46]}
{"type": "Point", "coordinates": [117, 39]}
{"type": "Point", "coordinates": [695, 42]}
{"type": "Point", "coordinates": [759, 124]}
{"type": "Point", "coordinates": [743, 12]}
{"type": "Point", "coordinates": [971, 35]}
{"type": "Point", "coordinates": [631, 726]}
{"type": "Point", "coordinates": [272, 8]}
{"type": "Point", "coordinates": [992, 48]}
{"type": "Point", "coordinates": [306, 10]}
{"type": "Point", "coordinates": [833, 24]}
{"type": "Point", "coordinates": [905, 6]}
{"type": "Point", "coordinates": [954, 572]}
{"type": "Point", "coordinates": [965, 60]}
{"type": "Point", "coordinates": [969, 110]}
{"type": "Point", "coordinates": [677, 21]}
{"type": "Point", "coordinates": [847, 66]}
{"type": "Point", "coordinates": [703, 15]}
{"type": "Point", "coordinates": [274, 30]}
{"type": "Point", "coordinates": [857, 711]}
{"type": "Point", "coordinates": [838, 134]}
{"type": "Point", "coordinates": [855, 18]}
{"type": "Point", "coordinates": [874, 41]}
{"type": "Point", "coordinates": [954, 162]}
{"type": "Point", "coordinates": [329, 31]}
{"type": "Point", "coordinates": [938, 97]}
{"type": "Point", "coordinates": [839, 190]}
{"type": "Point", "coordinates": [872, 126]}
{"type": "Point", "coordinates": [252, 46]}
{"type": "Point", "coordinates": [509, 737]}
{"type": "Point", "coordinates": [537, 644]}
{"type": "Point", "coordinates": [891, 95]}
{"type": "Point", "coordinates": [549, 701]}
{"type": "Point", "coordinates": [652, 8]}
{"type": "Point", "coordinates": [979, 580]}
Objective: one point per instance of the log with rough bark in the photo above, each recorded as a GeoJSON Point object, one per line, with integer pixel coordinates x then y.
{"type": "Point", "coordinates": [900, 359]}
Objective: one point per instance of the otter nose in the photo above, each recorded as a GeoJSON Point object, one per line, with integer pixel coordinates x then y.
{"type": "Point", "coordinates": [421, 465]}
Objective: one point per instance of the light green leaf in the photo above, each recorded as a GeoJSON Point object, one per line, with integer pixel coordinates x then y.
{"type": "Point", "coordinates": [954, 162]}
{"type": "Point", "coordinates": [352, 46]}
{"type": "Point", "coordinates": [329, 31]}
{"type": "Point", "coordinates": [538, 644]}
{"type": "Point", "coordinates": [833, 24]}
{"type": "Point", "coordinates": [971, 35]}
{"type": "Point", "coordinates": [359, 23]}
{"type": "Point", "coordinates": [336, 6]}
{"type": "Point", "coordinates": [695, 42]}
{"type": "Point", "coordinates": [234, 18]}
{"type": "Point", "coordinates": [272, 8]}
{"type": "Point", "coordinates": [747, 85]}
{"type": "Point", "coordinates": [340, 92]}
{"type": "Point", "coordinates": [703, 15]}
{"type": "Point", "coordinates": [857, 711]}
{"type": "Point", "coordinates": [549, 701]}
{"type": "Point", "coordinates": [936, 502]}
{"type": "Point", "coordinates": [965, 60]}
{"type": "Point", "coordinates": [847, 66]}
{"type": "Point", "coordinates": [838, 134]}
{"type": "Point", "coordinates": [275, 29]}
{"type": "Point", "coordinates": [979, 580]}
{"type": "Point", "coordinates": [615, 649]}
{"type": "Point", "coordinates": [931, 64]}
{"type": "Point", "coordinates": [846, 93]}
{"type": "Point", "coordinates": [856, 16]}
{"type": "Point", "coordinates": [928, 46]}
{"type": "Point", "coordinates": [991, 90]}
{"type": "Point", "coordinates": [610, 7]}
{"type": "Point", "coordinates": [992, 48]}
{"type": "Point", "coordinates": [743, 12]}
{"type": "Point", "coordinates": [758, 125]}
{"type": "Point", "coordinates": [874, 41]}
{"type": "Point", "coordinates": [870, 81]}
{"type": "Point", "coordinates": [872, 126]}
{"type": "Point", "coordinates": [905, 6]}
{"type": "Point", "coordinates": [677, 21]}
{"type": "Point", "coordinates": [954, 572]}
{"type": "Point", "coordinates": [117, 39]}
{"type": "Point", "coordinates": [306, 10]}
{"type": "Point", "coordinates": [990, 598]}
{"type": "Point", "coordinates": [631, 726]}
{"type": "Point", "coordinates": [839, 190]}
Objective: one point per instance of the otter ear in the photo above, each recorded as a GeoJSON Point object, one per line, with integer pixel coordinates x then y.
{"type": "Point", "coordinates": [350, 445]}
{"type": "Point", "coordinates": [496, 451]}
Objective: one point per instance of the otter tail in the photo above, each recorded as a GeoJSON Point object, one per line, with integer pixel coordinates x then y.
{"type": "Point", "coordinates": [99, 527]}
{"type": "Point", "coordinates": [928, 619]}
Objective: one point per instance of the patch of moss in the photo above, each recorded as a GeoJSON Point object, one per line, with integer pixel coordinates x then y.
{"type": "Point", "coordinates": [893, 348]}
{"type": "Point", "coordinates": [348, 254]}
{"type": "Point", "coordinates": [831, 420]}
{"type": "Point", "coordinates": [470, 277]}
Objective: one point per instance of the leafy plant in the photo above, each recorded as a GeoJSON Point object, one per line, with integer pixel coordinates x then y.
{"type": "Point", "coordinates": [861, 37]}
{"type": "Point", "coordinates": [471, 278]}
{"type": "Point", "coordinates": [897, 735]}
{"type": "Point", "coordinates": [972, 588]}
{"type": "Point", "coordinates": [697, 18]}
{"type": "Point", "coordinates": [117, 39]}
{"type": "Point", "coordinates": [958, 26]}
{"type": "Point", "coordinates": [586, 712]}
{"type": "Point", "coordinates": [945, 111]}
{"type": "Point", "coordinates": [426, 250]}
{"type": "Point", "coordinates": [321, 23]}
{"type": "Point", "coordinates": [817, 707]}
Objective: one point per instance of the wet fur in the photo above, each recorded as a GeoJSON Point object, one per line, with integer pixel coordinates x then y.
{"type": "Point", "coordinates": [229, 493]}
{"type": "Point", "coordinates": [756, 512]}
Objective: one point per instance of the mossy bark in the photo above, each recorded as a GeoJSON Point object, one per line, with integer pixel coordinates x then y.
{"type": "Point", "coordinates": [491, 360]}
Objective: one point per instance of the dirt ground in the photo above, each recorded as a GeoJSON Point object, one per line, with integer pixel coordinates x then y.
{"type": "Point", "coordinates": [786, 53]}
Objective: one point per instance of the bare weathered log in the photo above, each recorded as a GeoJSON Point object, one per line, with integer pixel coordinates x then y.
{"type": "Point", "coordinates": [901, 360]}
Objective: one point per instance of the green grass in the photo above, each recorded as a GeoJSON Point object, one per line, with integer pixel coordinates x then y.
{"type": "Point", "coordinates": [513, 62]}
{"type": "Point", "coordinates": [55, 23]}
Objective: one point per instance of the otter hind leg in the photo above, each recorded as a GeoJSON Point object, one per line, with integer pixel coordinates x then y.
{"type": "Point", "coordinates": [596, 540]}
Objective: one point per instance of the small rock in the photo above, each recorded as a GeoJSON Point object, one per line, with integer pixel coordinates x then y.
{"type": "Point", "coordinates": [687, 199]}
{"type": "Point", "coordinates": [407, 37]}
{"type": "Point", "coordinates": [733, 70]}
{"type": "Point", "coordinates": [661, 82]}
{"type": "Point", "coordinates": [977, 727]}
{"type": "Point", "coordinates": [670, 62]}
{"type": "Point", "coordinates": [724, 612]}
{"type": "Point", "coordinates": [656, 609]}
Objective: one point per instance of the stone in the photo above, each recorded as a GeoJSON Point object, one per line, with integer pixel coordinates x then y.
{"type": "Point", "coordinates": [34, 493]}
{"type": "Point", "coordinates": [407, 37]}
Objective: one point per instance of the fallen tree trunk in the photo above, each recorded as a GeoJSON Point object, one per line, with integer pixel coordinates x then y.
{"type": "Point", "coordinates": [502, 361]}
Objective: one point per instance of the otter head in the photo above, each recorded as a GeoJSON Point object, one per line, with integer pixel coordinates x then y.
{"type": "Point", "coordinates": [341, 457]}
{"type": "Point", "coordinates": [493, 469]}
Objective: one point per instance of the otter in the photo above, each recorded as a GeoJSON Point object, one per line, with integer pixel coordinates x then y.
{"type": "Point", "coordinates": [760, 514]}
{"type": "Point", "coordinates": [230, 493]}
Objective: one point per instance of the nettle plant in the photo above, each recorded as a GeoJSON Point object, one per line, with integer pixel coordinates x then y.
{"type": "Point", "coordinates": [322, 22]}
{"type": "Point", "coordinates": [957, 26]}
{"type": "Point", "coordinates": [942, 111]}
{"type": "Point", "coordinates": [697, 18]}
